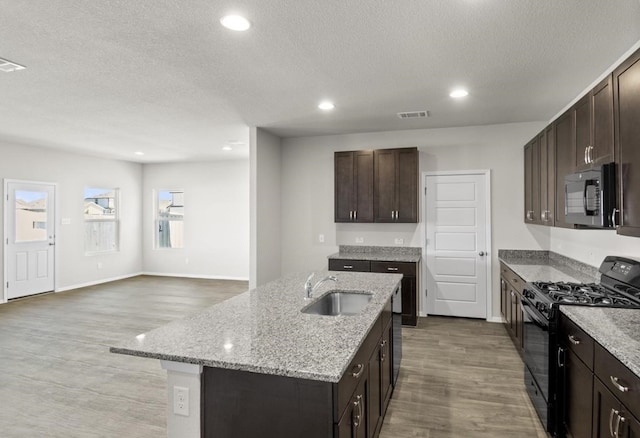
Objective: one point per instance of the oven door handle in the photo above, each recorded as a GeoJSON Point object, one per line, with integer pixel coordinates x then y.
{"type": "Point", "coordinates": [534, 317]}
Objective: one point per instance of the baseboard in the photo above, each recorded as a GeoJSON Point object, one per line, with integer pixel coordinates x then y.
{"type": "Point", "coordinates": [497, 319]}
{"type": "Point", "coordinates": [93, 283]}
{"type": "Point", "coordinates": [206, 277]}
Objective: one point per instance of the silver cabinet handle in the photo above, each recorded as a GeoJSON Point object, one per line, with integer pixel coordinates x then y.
{"type": "Point", "coordinates": [481, 253]}
{"type": "Point", "coordinates": [613, 217]}
{"type": "Point", "coordinates": [355, 215]}
{"type": "Point", "coordinates": [358, 373]}
{"type": "Point", "coordinates": [392, 269]}
{"type": "Point", "coordinates": [616, 382]}
{"type": "Point", "coordinates": [621, 419]}
{"type": "Point", "coordinates": [347, 267]}
{"type": "Point", "coordinates": [590, 154]}
{"type": "Point", "coordinates": [586, 160]}
{"type": "Point", "coordinates": [611, 414]}
{"type": "Point", "coordinates": [560, 363]}
{"type": "Point", "coordinates": [573, 340]}
{"type": "Point", "coordinates": [383, 355]}
{"type": "Point", "coordinates": [350, 215]}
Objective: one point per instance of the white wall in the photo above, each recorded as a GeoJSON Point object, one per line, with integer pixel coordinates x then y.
{"type": "Point", "coordinates": [73, 173]}
{"type": "Point", "coordinates": [216, 221]}
{"type": "Point", "coordinates": [591, 246]}
{"type": "Point", "coordinates": [265, 207]}
{"type": "Point", "coordinates": [307, 190]}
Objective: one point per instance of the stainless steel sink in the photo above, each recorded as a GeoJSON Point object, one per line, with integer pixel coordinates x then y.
{"type": "Point", "coordinates": [339, 303]}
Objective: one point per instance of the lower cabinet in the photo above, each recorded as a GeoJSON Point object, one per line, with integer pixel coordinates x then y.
{"type": "Point", "coordinates": [510, 306]}
{"type": "Point", "coordinates": [599, 393]}
{"type": "Point", "coordinates": [246, 404]}
{"type": "Point", "coordinates": [409, 281]}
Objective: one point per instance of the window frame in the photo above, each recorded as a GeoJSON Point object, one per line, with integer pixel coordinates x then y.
{"type": "Point", "coordinates": [115, 220]}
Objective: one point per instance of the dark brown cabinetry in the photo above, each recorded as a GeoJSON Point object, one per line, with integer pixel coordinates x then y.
{"type": "Point", "coordinates": [577, 377]}
{"type": "Point", "coordinates": [409, 283]}
{"type": "Point", "coordinates": [376, 186]}
{"type": "Point", "coordinates": [626, 87]}
{"type": "Point", "coordinates": [246, 404]}
{"type": "Point", "coordinates": [396, 185]}
{"type": "Point", "coordinates": [539, 174]}
{"type": "Point", "coordinates": [594, 127]}
{"type": "Point", "coordinates": [564, 136]}
{"type": "Point", "coordinates": [511, 286]}
{"type": "Point", "coordinates": [599, 394]}
{"type": "Point", "coordinates": [353, 186]}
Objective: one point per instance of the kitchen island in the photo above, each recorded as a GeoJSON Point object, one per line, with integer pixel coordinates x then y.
{"type": "Point", "coordinates": [257, 363]}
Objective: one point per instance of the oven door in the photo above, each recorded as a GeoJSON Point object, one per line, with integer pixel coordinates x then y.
{"type": "Point", "coordinates": [536, 358]}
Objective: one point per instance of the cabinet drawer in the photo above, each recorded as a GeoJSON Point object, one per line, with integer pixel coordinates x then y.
{"type": "Point", "coordinates": [577, 341]}
{"type": "Point", "coordinates": [618, 379]}
{"type": "Point", "coordinates": [349, 265]}
{"type": "Point", "coordinates": [405, 268]}
{"type": "Point", "coordinates": [356, 370]}
{"type": "Point", "coordinates": [516, 281]}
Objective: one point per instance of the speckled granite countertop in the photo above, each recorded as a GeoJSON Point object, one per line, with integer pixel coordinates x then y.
{"type": "Point", "coordinates": [617, 330]}
{"type": "Point", "coordinates": [379, 253]}
{"type": "Point", "coordinates": [548, 266]}
{"type": "Point", "coordinates": [264, 331]}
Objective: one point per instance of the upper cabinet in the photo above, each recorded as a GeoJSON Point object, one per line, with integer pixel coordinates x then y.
{"type": "Point", "coordinates": [594, 127]}
{"type": "Point", "coordinates": [396, 185]}
{"type": "Point", "coordinates": [376, 186]}
{"type": "Point", "coordinates": [539, 179]}
{"type": "Point", "coordinates": [353, 186]}
{"type": "Point", "coordinates": [564, 136]}
{"type": "Point", "coordinates": [626, 86]}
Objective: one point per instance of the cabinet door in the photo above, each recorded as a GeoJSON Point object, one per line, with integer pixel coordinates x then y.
{"type": "Point", "coordinates": [543, 178]}
{"type": "Point", "coordinates": [344, 196]}
{"type": "Point", "coordinates": [578, 397]}
{"type": "Point", "coordinates": [565, 147]}
{"type": "Point", "coordinates": [633, 428]}
{"type": "Point", "coordinates": [602, 129]}
{"type": "Point", "coordinates": [363, 186]}
{"type": "Point", "coordinates": [386, 369]}
{"type": "Point", "coordinates": [353, 423]}
{"type": "Point", "coordinates": [503, 298]}
{"type": "Point", "coordinates": [582, 111]}
{"type": "Point", "coordinates": [606, 408]}
{"type": "Point", "coordinates": [385, 185]}
{"type": "Point", "coordinates": [626, 81]}
{"type": "Point", "coordinates": [528, 183]}
{"type": "Point", "coordinates": [375, 394]}
{"type": "Point", "coordinates": [549, 191]}
{"type": "Point", "coordinates": [407, 204]}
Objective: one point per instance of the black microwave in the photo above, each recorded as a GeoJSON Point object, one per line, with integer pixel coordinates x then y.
{"type": "Point", "coordinates": [590, 197]}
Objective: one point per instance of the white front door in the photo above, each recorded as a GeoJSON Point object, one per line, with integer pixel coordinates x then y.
{"type": "Point", "coordinates": [29, 238]}
{"type": "Point", "coordinates": [456, 247]}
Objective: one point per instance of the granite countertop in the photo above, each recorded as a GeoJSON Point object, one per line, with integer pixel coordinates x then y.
{"type": "Point", "coordinates": [264, 331]}
{"type": "Point", "coordinates": [617, 330]}
{"type": "Point", "coordinates": [548, 266]}
{"type": "Point", "coordinates": [379, 253]}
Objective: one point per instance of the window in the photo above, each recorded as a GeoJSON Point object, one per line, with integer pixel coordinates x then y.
{"type": "Point", "coordinates": [100, 219]}
{"type": "Point", "coordinates": [170, 219]}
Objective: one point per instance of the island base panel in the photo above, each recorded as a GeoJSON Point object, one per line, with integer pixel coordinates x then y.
{"type": "Point", "coordinates": [240, 403]}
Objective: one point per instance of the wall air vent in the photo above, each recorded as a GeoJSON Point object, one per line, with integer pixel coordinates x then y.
{"type": "Point", "coordinates": [8, 66]}
{"type": "Point", "coordinates": [414, 115]}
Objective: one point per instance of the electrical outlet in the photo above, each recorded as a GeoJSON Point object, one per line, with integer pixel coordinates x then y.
{"type": "Point", "coordinates": [181, 401]}
{"type": "Point", "coordinates": [399, 241]}
{"type": "Point", "coordinates": [359, 239]}
{"type": "Point", "coordinates": [321, 238]}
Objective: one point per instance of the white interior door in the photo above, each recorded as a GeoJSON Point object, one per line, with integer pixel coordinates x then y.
{"type": "Point", "coordinates": [29, 238]}
{"type": "Point", "coordinates": [456, 247]}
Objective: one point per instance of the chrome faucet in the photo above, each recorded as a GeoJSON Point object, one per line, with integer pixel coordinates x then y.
{"type": "Point", "coordinates": [308, 288]}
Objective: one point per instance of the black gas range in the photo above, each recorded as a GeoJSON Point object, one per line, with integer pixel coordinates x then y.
{"type": "Point", "coordinates": [619, 287]}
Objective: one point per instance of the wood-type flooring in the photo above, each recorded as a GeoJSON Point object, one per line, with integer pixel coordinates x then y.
{"type": "Point", "coordinates": [459, 378]}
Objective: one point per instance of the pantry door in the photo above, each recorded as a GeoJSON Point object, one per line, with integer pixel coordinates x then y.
{"type": "Point", "coordinates": [29, 238]}
{"type": "Point", "coordinates": [457, 244]}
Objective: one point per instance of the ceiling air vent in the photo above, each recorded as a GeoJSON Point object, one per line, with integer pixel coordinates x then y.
{"type": "Point", "coordinates": [414, 115]}
{"type": "Point", "coordinates": [8, 66]}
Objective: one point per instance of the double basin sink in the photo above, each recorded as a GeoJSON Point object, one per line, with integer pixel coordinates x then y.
{"type": "Point", "coordinates": [338, 302]}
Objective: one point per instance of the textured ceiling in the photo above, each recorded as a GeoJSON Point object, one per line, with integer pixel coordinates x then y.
{"type": "Point", "coordinates": [163, 77]}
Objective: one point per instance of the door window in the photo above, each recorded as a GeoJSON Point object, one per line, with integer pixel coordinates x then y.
{"type": "Point", "coordinates": [31, 216]}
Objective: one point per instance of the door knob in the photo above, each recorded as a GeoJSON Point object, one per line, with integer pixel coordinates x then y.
{"type": "Point", "coordinates": [481, 253]}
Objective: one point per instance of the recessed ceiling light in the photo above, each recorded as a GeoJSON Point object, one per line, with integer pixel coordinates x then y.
{"type": "Point", "coordinates": [458, 93]}
{"type": "Point", "coordinates": [8, 66]}
{"type": "Point", "coordinates": [227, 148]}
{"type": "Point", "coordinates": [326, 105]}
{"type": "Point", "coordinates": [139, 153]}
{"type": "Point", "coordinates": [235, 22]}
